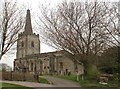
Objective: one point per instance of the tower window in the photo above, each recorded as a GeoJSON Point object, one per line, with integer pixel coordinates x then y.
{"type": "Point", "coordinates": [22, 43]}
{"type": "Point", "coordinates": [32, 44]}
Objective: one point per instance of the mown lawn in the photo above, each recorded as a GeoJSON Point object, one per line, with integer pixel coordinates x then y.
{"type": "Point", "coordinates": [72, 77]}
{"type": "Point", "coordinates": [43, 80]}
{"type": "Point", "coordinates": [13, 86]}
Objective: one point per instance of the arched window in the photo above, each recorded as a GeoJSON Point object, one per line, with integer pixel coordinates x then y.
{"type": "Point", "coordinates": [44, 67]}
{"type": "Point", "coordinates": [61, 65]}
{"type": "Point", "coordinates": [31, 66]}
{"type": "Point", "coordinates": [22, 43]}
{"type": "Point", "coordinates": [32, 44]}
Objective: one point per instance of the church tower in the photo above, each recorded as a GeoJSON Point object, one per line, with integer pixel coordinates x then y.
{"type": "Point", "coordinates": [28, 42]}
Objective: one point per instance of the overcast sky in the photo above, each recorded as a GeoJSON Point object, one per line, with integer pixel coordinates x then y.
{"type": "Point", "coordinates": [33, 6]}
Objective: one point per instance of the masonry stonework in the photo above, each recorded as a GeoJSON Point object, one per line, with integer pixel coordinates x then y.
{"type": "Point", "coordinates": [29, 59]}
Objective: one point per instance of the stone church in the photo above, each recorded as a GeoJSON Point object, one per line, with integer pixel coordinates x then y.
{"type": "Point", "coordinates": [29, 58]}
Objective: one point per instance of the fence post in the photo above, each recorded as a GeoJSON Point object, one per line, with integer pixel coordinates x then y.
{"type": "Point", "coordinates": [11, 75]}
{"type": "Point", "coordinates": [24, 76]}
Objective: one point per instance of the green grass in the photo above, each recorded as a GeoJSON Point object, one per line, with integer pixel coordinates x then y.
{"type": "Point", "coordinates": [88, 81]}
{"type": "Point", "coordinates": [71, 77]}
{"type": "Point", "coordinates": [94, 83]}
{"type": "Point", "coordinates": [43, 80]}
{"type": "Point", "coordinates": [13, 86]}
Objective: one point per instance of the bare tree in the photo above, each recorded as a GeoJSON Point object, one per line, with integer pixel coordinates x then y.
{"type": "Point", "coordinates": [111, 24]}
{"type": "Point", "coordinates": [79, 28]}
{"type": "Point", "coordinates": [11, 23]}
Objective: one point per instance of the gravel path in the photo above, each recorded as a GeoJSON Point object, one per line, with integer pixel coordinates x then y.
{"type": "Point", "coordinates": [28, 84]}
{"type": "Point", "coordinates": [58, 82]}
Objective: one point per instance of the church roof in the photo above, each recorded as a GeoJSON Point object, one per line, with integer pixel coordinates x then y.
{"type": "Point", "coordinates": [28, 25]}
{"type": "Point", "coordinates": [42, 55]}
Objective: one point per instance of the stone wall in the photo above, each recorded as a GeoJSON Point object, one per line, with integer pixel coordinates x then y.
{"type": "Point", "coordinates": [49, 63]}
{"type": "Point", "coordinates": [27, 45]}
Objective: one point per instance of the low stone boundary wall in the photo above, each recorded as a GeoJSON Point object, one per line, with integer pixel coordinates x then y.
{"type": "Point", "coordinates": [18, 76]}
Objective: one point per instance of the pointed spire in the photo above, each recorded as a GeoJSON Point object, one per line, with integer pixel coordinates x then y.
{"type": "Point", "coordinates": [28, 25]}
